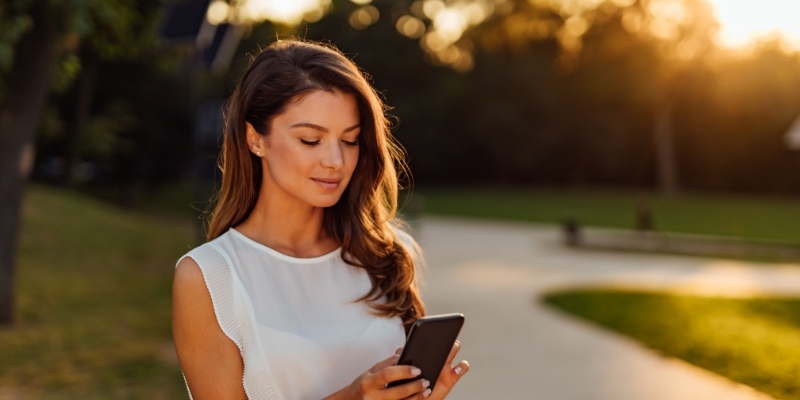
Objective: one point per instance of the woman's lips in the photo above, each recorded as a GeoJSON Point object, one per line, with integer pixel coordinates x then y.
{"type": "Point", "coordinates": [328, 184]}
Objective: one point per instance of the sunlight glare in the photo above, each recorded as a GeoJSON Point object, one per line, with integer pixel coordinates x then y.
{"type": "Point", "coordinates": [450, 23]}
{"type": "Point", "coordinates": [746, 21]}
{"type": "Point", "coordinates": [217, 12]}
{"type": "Point", "coordinates": [477, 12]}
{"type": "Point", "coordinates": [288, 12]}
{"type": "Point", "coordinates": [576, 25]}
{"type": "Point", "coordinates": [364, 17]}
{"type": "Point", "coordinates": [410, 26]}
{"type": "Point", "coordinates": [623, 3]}
{"type": "Point", "coordinates": [432, 7]}
{"type": "Point", "coordinates": [670, 11]}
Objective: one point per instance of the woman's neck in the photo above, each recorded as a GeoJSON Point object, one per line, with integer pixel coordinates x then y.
{"type": "Point", "coordinates": [288, 227]}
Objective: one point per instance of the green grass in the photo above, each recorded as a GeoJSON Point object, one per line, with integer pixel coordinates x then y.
{"type": "Point", "coordinates": [752, 341]}
{"type": "Point", "coordinates": [750, 217]}
{"type": "Point", "coordinates": [93, 302]}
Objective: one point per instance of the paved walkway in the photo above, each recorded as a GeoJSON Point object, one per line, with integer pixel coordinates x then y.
{"type": "Point", "coordinates": [519, 349]}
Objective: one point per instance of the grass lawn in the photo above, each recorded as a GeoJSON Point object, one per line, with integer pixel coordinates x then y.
{"type": "Point", "coordinates": [752, 341]}
{"type": "Point", "coordinates": [93, 302]}
{"type": "Point", "coordinates": [753, 217]}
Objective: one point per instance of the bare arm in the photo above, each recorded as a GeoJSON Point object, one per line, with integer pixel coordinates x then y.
{"type": "Point", "coordinates": [211, 362]}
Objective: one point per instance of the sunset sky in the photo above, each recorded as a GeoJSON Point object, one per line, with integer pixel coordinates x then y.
{"type": "Point", "coordinates": [743, 21]}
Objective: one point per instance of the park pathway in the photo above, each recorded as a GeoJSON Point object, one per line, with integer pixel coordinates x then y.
{"type": "Point", "coordinates": [494, 272]}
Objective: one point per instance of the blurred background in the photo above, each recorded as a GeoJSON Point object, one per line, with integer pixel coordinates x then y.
{"type": "Point", "coordinates": [674, 117]}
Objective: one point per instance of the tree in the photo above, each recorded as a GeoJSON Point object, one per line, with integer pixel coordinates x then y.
{"type": "Point", "coordinates": [617, 92]}
{"type": "Point", "coordinates": [683, 31]}
{"type": "Point", "coordinates": [23, 102]}
{"type": "Point", "coordinates": [680, 30]}
{"type": "Point", "coordinates": [37, 53]}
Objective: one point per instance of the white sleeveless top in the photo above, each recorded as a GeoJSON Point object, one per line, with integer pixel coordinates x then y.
{"type": "Point", "coordinates": [298, 327]}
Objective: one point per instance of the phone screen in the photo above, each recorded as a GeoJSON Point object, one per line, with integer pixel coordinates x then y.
{"type": "Point", "coordinates": [428, 344]}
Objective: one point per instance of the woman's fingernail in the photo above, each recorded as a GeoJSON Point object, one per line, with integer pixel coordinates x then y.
{"type": "Point", "coordinates": [425, 383]}
{"type": "Point", "coordinates": [426, 393]}
{"type": "Point", "coordinates": [415, 371]}
{"type": "Point", "coordinates": [457, 370]}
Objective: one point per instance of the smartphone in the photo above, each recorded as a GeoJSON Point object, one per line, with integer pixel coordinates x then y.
{"type": "Point", "coordinates": [428, 344]}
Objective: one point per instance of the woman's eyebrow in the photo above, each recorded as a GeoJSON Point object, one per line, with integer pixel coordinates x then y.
{"type": "Point", "coordinates": [310, 125]}
{"type": "Point", "coordinates": [321, 128]}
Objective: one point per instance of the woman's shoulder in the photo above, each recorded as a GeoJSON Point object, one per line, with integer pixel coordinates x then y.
{"type": "Point", "coordinates": [205, 272]}
{"type": "Point", "coordinates": [207, 256]}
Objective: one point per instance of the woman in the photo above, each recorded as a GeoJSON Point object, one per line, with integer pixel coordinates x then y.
{"type": "Point", "coordinates": [305, 286]}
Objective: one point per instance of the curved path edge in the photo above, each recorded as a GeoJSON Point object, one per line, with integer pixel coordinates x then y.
{"type": "Point", "coordinates": [494, 272]}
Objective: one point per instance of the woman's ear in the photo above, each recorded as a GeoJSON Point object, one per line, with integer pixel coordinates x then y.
{"type": "Point", "coordinates": [253, 139]}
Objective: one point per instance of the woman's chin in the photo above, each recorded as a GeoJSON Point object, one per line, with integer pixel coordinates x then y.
{"type": "Point", "coordinates": [326, 202]}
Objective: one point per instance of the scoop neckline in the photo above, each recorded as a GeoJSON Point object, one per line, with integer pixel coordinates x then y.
{"type": "Point", "coordinates": [277, 254]}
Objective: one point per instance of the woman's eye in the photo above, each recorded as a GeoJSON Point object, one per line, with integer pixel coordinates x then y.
{"type": "Point", "coordinates": [311, 143]}
{"type": "Point", "coordinates": [353, 143]}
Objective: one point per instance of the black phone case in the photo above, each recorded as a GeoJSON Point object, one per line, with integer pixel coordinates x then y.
{"type": "Point", "coordinates": [428, 344]}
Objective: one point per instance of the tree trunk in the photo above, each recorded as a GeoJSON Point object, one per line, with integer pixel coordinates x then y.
{"type": "Point", "coordinates": [666, 162]}
{"type": "Point", "coordinates": [20, 113]}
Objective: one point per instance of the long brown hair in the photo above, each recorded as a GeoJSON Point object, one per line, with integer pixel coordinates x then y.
{"type": "Point", "coordinates": [364, 218]}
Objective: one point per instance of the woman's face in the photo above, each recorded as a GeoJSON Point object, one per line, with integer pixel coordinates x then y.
{"type": "Point", "coordinates": [311, 149]}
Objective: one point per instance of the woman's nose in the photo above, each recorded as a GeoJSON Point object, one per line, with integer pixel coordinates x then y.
{"type": "Point", "coordinates": [333, 157]}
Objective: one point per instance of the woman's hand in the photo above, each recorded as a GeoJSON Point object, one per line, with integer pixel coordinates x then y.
{"type": "Point", "coordinates": [371, 385]}
{"type": "Point", "coordinates": [449, 375]}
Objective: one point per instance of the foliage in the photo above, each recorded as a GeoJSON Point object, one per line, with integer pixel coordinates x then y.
{"type": "Point", "coordinates": [126, 123]}
{"type": "Point", "coordinates": [14, 25]}
{"type": "Point", "coordinates": [114, 28]}
{"type": "Point", "coordinates": [527, 114]}
{"type": "Point", "coordinates": [94, 302]}
{"type": "Point", "coordinates": [730, 120]}
{"type": "Point", "coordinates": [753, 341]}
{"type": "Point", "coordinates": [750, 217]}
{"type": "Point", "coordinates": [554, 96]}
{"type": "Point", "coordinates": [138, 109]}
